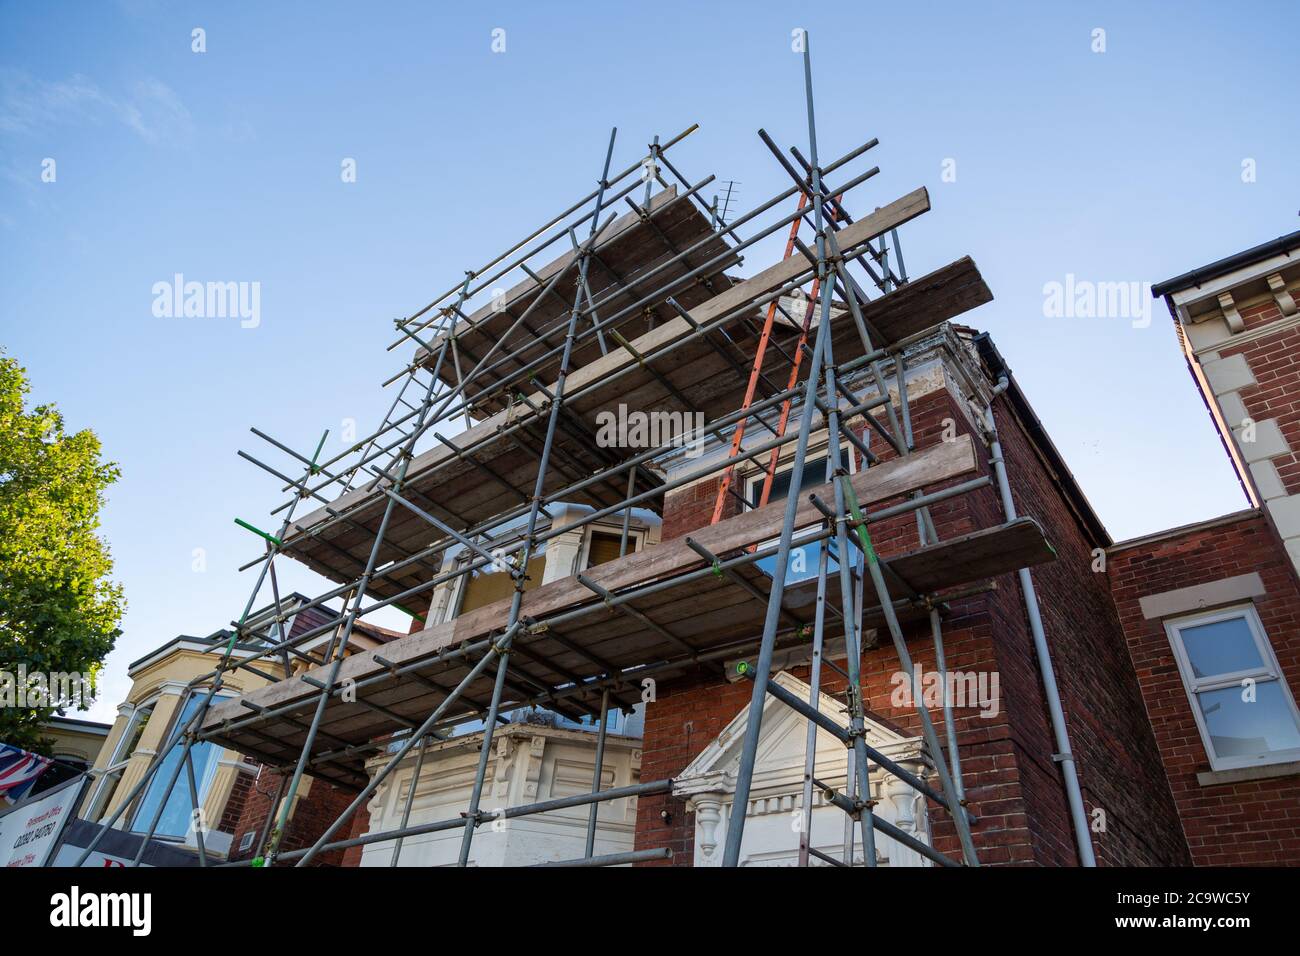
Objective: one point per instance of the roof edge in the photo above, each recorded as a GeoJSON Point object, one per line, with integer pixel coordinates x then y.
{"type": "Point", "coordinates": [1232, 517]}
{"type": "Point", "coordinates": [1231, 263]}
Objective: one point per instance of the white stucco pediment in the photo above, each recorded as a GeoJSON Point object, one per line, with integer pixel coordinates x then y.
{"type": "Point", "coordinates": [781, 743]}
{"type": "Point", "coordinates": [776, 795]}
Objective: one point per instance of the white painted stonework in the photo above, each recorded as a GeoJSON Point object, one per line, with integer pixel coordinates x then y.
{"type": "Point", "coordinates": [1264, 443]}
{"type": "Point", "coordinates": [1229, 374]}
{"type": "Point", "coordinates": [528, 764]}
{"type": "Point", "coordinates": [1267, 481]}
{"type": "Point", "coordinates": [1209, 315]}
{"type": "Point", "coordinates": [771, 835]}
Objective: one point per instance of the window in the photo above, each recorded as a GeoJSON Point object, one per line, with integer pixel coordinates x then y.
{"type": "Point", "coordinates": [139, 720]}
{"type": "Point", "coordinates": [488, 584]}
{"type": "Point", "coordinates": [602, 546]}
{"type": "Point", "coordinates": [246, 840]}
{"type": "Point", "coordinates": [804, 559]}
{"type": "Point", "coordinates": [176, 820]}
{"type": "Point", "coordinates": [126, 744]}
{"type": "Point", "coordinates": [592, 721]}
{"type": "Point", "coordinates": [1242, 706]}
{"type": "Point", "coordinates": [814, 474]}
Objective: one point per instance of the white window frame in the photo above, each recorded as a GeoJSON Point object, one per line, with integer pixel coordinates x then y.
{"type": "Point", "coordinates": [1269, 670]}
{"type": "Point", "coordinates": [121, 757]}
{"type": "Point", "coordinates": [466, 557]}
{"type": "Point", "coordinates": [752, 480]}
{"type": "Point", "coordinates": [755, 476]}
{"type": "Point", "coordinates": [636, 538]}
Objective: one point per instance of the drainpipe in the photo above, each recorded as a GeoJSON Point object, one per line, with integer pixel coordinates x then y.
{"type": "Point", "coordinates": [1078, 816]}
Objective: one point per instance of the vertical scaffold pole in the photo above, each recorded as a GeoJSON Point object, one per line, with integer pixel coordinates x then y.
{"type": "Point", "coordinates": [763, 668]}
{"type": "Point", "coordinates": [814, 697]}
{"type": "Point", "coordinates": [852, 615]}
{"type": "Point", "coordinates": [955, 809]}
{"type": "Point", "coordinates": [539, 488]}
{"type": "Point", "coordinates": [599, 770]}
{"type": "Point", "coordinates": [410, 798]}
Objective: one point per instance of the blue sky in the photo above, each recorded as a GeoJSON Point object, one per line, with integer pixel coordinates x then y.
{"type": "Point", "coordinates": [1124, 165]}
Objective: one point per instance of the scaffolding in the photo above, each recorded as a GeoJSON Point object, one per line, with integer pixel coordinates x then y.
{"type": "Point", "coordinates": [637, 307]}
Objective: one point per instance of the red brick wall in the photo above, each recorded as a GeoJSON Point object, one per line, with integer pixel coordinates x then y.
{"type": "Point", "coordinates": [1117, 761]}
{"type": "Point", "coordinates": [1275, 362]}
{"type": "Point", "coordinates": [311, 817]}
{"type": "Point", "coordinates": [1260, 314]}
{"type": "Point", "coordinates": [360, 824]}
{"type": "Point", "coordinates": [1246, 823]}
{"type": "Point", "coordinates": [692, 507]}
{"type": "Point", "coordinates": [1011, 781]}
{"type": "Point", "coordinates": [234, 809]}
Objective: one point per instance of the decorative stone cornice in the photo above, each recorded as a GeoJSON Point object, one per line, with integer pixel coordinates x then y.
{"type": "Point", "coordinates": [1283, 298]}
{"type": "Point", "coordinates": [1230, 315]}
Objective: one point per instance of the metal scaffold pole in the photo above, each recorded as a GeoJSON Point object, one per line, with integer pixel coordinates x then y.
{"type": "Point", "coordinates": [473, 816]}
{"type": "Point", "coordinates": [498, 462]}
{"type": "Point", "coordinates": [763, 668]}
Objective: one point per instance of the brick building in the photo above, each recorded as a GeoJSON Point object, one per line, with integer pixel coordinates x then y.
{"type": "Point", "coordinates": [1011, 781]}
{"type": "Point", "coordinates": [1138, 711]}
{"type": "Point", "coordinates": [1178, 762]}
{"type": "Point", "coordinates": [1225, 717]}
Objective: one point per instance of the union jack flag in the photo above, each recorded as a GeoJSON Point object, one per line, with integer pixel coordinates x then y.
{"type": "Point", "coordinates": [19, 771]}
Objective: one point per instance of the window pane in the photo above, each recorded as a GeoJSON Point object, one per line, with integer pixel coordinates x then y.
{"type": "Point", "coordinates": [804, 561]}
{"type": "Point", "coordinates": [176, 816]}
{"type": "Point", "coordinates": [105, 795]}
{"type": "Point", "coordinates": [1223, 647]}
{"type": "Point", "coordinates": [814, 474]}
{"type": "Point", "coordinates": [803, 558]}
{"type": "Point", "coordinates": [605, 547]}
{"type": "Point", "coordinates": [139, 720]}
{"type": "Point", "coordinates": [1239, 728]}
{"type": "Point", "coordinates": [486, 586]}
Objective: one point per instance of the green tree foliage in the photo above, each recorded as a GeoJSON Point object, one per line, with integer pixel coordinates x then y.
{"type": "Point", "coordinates": [59, 613]}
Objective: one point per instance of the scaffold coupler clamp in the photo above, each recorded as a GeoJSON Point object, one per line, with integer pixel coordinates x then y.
{"type": "Point", "coordinates": [478, 816]}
